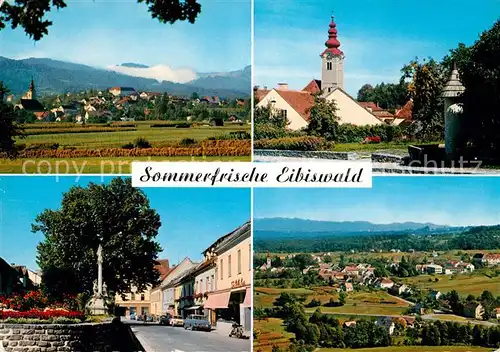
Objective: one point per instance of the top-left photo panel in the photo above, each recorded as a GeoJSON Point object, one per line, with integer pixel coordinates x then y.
{"type": "Point", "coordinates": [88, 87]}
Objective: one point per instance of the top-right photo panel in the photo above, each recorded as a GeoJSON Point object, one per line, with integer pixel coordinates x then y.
{"type": "Point", "coordinates": [412, 86]}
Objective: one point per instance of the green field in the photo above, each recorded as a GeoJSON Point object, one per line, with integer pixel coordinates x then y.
{"type": "Point", "coordinates": [154, 135]}
{"type": "Point", "coordinates": [411, 349]}
{"type": "Point", "coordinates": [373, 147]}
{"type": "Point", "coordinates": [94, 165]}
{"type": "Point", "coordinates": [464, 284]}
{"type": "Point", "coordinates": [373, 303]}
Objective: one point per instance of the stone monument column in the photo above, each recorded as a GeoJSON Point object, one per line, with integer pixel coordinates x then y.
{"type": "Point", "coordinates": [97, 305]}
{"type": "Point", "coordinates": [453, 120]}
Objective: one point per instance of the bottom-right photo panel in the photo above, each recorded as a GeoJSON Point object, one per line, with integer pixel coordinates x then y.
{"type": "Point", "coordinates": [412, 264]}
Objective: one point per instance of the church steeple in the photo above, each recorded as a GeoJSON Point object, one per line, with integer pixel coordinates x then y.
{"type": "Point", "coordinates": [333, 44]}
{"type": "Point", "coordinates": [31, 93]}
{"type": "Point", "coordinates": [332, 70]}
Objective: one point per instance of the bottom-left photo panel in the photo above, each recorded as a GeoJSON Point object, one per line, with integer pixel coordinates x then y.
{"type": "Point", "coordinates": [94, 264]}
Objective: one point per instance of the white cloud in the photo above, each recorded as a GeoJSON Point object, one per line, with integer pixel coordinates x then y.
{"type": "Point", "coordinates": [158, 72]}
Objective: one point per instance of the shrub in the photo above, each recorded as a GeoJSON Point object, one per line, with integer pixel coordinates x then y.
{"type": "Point", "coordinates": [294, 143]}
{"type": "Point", "coordinates": [187, 142]}
{"type": "Point", "coordinates": [237, 135]}
{"type": "Point", "coordinates": [347, 133]}
{"type": "Point", "coordinates": [128, 146]}
{"type": "Point", "coordinates": [204, 148]}
{"type": "Point", "coordinates": [142, 143]}
{"type": "Point", "coordinates": [268, 131]}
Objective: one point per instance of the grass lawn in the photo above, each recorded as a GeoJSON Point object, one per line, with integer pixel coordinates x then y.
{"type": "Point", "coordinates": [411, 349]}
{"type": "Point", "coordinates": [94, 165]}
{"type": "Point", "coordinates": [377, 303]}
{"type": "Point", "coordinates": [464, 284]}
{"type": "Point", "coordinates": [117, 139]}
{"type": "Point", "coordinates": [358, 147]}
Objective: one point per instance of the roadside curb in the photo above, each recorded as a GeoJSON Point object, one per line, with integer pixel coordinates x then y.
{"type": "Point", "coordinates": [142, 341]}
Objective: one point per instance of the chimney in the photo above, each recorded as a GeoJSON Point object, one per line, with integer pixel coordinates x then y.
{"type": "Point", "coordinates": [282, 86]}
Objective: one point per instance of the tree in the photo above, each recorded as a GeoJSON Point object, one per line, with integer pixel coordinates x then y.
{"type": "Point", "coordinates": [342, 298]}
{"type": "Point", "coordinates": [323, 119]}
{"type": "Point", "coordinates": [30, 15]}
{"type": "Point", "coordinates": [480, 75]}
{"type": "Point", "coordinates": [9, 129]}
{"type": "Point", "coordinates": [365, 93]}
{"type": "Point", "coordinates": [195, 96]}
{"type": "Point", "coordinates": [117, 216]}
{"type": "Point", "coordinates": [58, 281]}
{"type": "Point", "coordinates": [428, 80]}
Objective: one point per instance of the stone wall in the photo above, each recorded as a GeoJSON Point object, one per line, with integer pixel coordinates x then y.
{"type": "Point", "coordinates": [66, 337]}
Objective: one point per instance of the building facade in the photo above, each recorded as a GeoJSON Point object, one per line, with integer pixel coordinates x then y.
{"type": "Point", "coordinates": [233, 274]}
{"type": "Point", "coordinates": [168, 286]}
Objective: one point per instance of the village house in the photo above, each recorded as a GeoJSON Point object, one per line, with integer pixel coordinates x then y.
{"type": "Point", "coordinates": [497, 313]}
{"type": "Point", "coordinates": [122, 91]}
{"type": "Point", "coordinates": [351, 270]}
{"type": "Point", "coordinates": [387, 323]}
{"type": "Point", "coordinates": [399, 289]}
{"type": "Point", "coordinates": [348, 287]}
{"type": "Point", "coordinates": [232, 298]}
{"type": "Point", "coordinates": [384, 283]}
{"type": "Point", "coordinates": [138, 302]}
{"type": "Point", "coordinates": [474, 310]}
{"type": "Point", "coordinates": [487, 259]}
{"type": "Point", "coordinates": [295, 105]}
{"type": "Point", "coordinates": [267, 265]}
{"type": "Point", "coordinates": [168, 288]}
{"type": "Point", "coordinates": [434, 269]}
{"type": "Point", "coordinates": [349, 323]}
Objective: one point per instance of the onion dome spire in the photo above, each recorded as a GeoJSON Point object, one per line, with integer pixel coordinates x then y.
{"type": "Point", "coordinates": [333, 44]}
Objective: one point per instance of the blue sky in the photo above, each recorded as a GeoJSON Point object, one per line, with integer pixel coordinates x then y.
{"type": "Point", "coordinates": [377, 36]}
{"type": "Point", "coordinates": [103, 33]}
{"type": "Point", "coordinates": [192, 219]}
{"type": "Point", "coordinates": [439, 200]}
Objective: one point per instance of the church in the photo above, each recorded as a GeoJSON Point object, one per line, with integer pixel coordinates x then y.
{"type": "Point", "coordinates": [29, 101]}
{"type": "Point", "coordinates": [295, 105]}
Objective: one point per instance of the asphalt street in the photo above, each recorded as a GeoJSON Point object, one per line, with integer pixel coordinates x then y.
{"type": "Point", "coordinates": [156, 338]}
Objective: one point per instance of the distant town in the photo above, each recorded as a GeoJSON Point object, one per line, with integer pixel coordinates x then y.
{"type": "Point", "coordinates": [126, 104]}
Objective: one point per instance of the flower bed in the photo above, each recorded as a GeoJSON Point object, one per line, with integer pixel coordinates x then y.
{"type": "Point", "coordinates": [41, 314]}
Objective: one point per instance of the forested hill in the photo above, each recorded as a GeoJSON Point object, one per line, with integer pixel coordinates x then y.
{"type": "Point", "coordinates": [482, 237]}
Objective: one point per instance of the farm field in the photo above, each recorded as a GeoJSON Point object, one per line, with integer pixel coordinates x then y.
{"type": "Point", "coordinates": [117, 138]}
{"type": "Point", "coordinates": [411, 349]}
{"type": "Point", "coordinates": [96, 165]}
{"type": "Point", "coordinates": [64, 138]}
{"type": "Point", "coordinates": [271, 333]}
{"type": "Point", "coordinates": [464, 284]}
{"type": "Point", "coordinates": [376, 303]}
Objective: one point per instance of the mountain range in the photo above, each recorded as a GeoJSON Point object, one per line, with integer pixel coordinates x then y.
{"type": "Point", "coordinates": [303, 228]}
{"type": "Point", "coordinates": [56, 77]}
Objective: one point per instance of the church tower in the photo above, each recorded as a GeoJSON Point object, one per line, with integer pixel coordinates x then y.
{"type": "Point", "coordinates": [31, 93]}
{"type": "Point", "coordinates": [332, 62]}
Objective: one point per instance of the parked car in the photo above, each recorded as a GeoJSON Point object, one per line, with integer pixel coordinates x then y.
{"type": "Point", "coordinates": [197, 322]}
{"type": "Point", "coordinates": [132, 316]}
{"type": "Point", "coordinates": [165, 319]}
{"type": "Point", "coordinates": [177, 321]}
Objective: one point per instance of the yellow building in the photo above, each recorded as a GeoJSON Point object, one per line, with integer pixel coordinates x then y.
{"type": "Point", "coordinates": [147, 302]}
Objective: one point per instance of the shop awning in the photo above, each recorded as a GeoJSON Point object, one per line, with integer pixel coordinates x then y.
{"type": "Point", "coordinates": [217, 301]}
{"type": "Point", "coordinates": [248, 298]}
{"type": "Point", "coordinates": [192, 308]}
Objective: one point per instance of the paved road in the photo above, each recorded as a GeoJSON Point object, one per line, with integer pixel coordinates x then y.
{"type": "Point", "coordinates": [155, 338]}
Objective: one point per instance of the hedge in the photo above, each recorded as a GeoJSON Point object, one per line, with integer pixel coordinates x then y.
{"type": "Point", "coordinates": [204, 148]}
{"type": "Point", "coordinates": [347, 133]}
{"type": "Point", "coordinates": [306, 143]}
